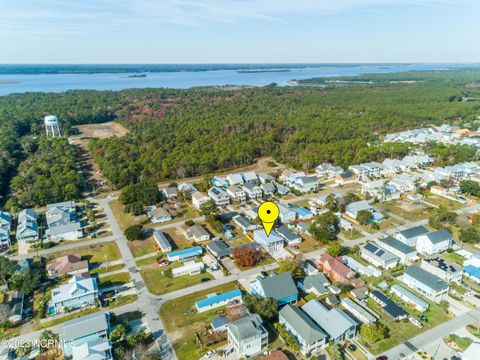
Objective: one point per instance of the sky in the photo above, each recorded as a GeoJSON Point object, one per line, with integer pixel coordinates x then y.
{"type": "Point", "coordinates": [238, 31]}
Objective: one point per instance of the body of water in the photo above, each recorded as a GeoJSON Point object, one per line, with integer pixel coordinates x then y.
{"type": "Point", "coordinates": [58, 78]}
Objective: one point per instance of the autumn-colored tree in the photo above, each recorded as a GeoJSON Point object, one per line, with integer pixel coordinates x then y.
{"type": "Point", "coordinates": [246, 256]}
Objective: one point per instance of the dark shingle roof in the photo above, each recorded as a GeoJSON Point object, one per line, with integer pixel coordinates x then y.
{"type": "Point", "coordinates": [397, 245]}
{"type": "Point", "coordinates": [439, 236]}
{"type": "Point", "coordinates": [413, 232]}
{"type": "Point", "coordinates": [279, 286]}
{"type": "Point", "coordinates": [427, 278]}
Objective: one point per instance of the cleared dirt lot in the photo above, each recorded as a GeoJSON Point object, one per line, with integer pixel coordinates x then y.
{"type": "Point", "coordinates": [103, 130]}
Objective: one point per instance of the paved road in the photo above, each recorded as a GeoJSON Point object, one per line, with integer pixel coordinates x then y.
{"type": "Point", "coordinates": [422, 340]}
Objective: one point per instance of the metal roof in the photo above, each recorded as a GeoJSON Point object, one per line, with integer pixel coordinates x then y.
{"type": "Point", "coordinates": [397, 245]}
{"type": "Point", "coordinates": [208, 301]}
{"type": "Point", "coordinates": [426, 278]}
{"type": "Point", "coordinates": [86, 325]}
{"type": "Point", "coordinates": [413, 232]}
{"type": "Point", "coordinates": [302, 324]}
{"type": "Point", "coordinates": [278, 286]}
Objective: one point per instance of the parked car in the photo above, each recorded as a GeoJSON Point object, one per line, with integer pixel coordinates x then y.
{"type": "Point", "coordinates": [263, 274]}
{"type": "Point", "coordinates": [382, 357]}
{"type": "Point", "coordinates": [423, 318]}
{"type": "Point", "coordinates": [352, 347]}
{"type": "Point", "coordinates": [210, 353]}
{"type": "Point", "coordinates": [163, 262]}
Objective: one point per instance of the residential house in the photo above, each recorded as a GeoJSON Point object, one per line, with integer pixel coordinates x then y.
{"type": "Point", "coordinates": [310, 269]}
{"type": "Point", "coordinates": [265, 178]}
{"type": "Point", "coordinates": [426, 283]}
{"type": "Point", "coordinates": [286, 214]}
{"type": "Point", "coordinates": [346, 177]}
{"type": "Point", "coordinates": [434, 242]}
{"type": "Point", "coordinates": [219, 182]}
{"type": "Point", "coordinates": [283, 190]}
{"type": "Point", "coordinates": [472, 272]}
{"type": "Point", "coordinates": [219, 249]}
{"type": "Point", "coordinates": [268, 189]}
{"type": "Point", "coordinates": [322, 170]}
{"type": "Point", "coordinates": [336, 324]}
{"type": "Point", "coordinates": [77, 293]}
{"type": "Point", "coordinates": [279, 287]}
{"type": "Point", "coordinates": [5, 229]}
{"type": "Point", "coordinates": [358, 267]}
{"type": "Point", "coordinates": [290, 237]}
{"type": "Point", "coordinates": [92, 330]}
{"type": "Point", "coordinates": [391, 167]}
{"type": "Point", "coordinates": [159, 215]}
{"type": "Point", "coordinates": [374, 189]}
{"type": "Point", "coordinates": [219, 196]}
{"type": "Point", "coordinates": [388, 306]}
{"type": "Point", "coordinates": [306, 184]}
{"type": "Point", "coordinates": [314, 284]}
{"type": "Point", "coordinates": [246, 336]}
{"type": "Point", "coordinates": [185, 254]}
{"type": "Point", "coordinates": [244, 223]}
{"type": "Point", "coordinates": [188, 268]}
{"type": "Point", "coordinates": [407, 254]}
{"type": "Point", "coordinates": [291, 176]}
{"type": "Point", "coordinates": [252, 191]}
{"type": "Point", "coordinates": [335, 269]}
{"type": "Point", "coordinates": [309, 335]}
{"type": "Point", "coordinates": [169, 193]}
{"type": "Point", "coordinates": [354, 208]}
{"type": "Point", "coordinates": [235, 179]}
{"type": "Point", "coordinates": [303, 214]}
{"type": "Point", "coordinates": [445, 270]}
{"type": "Point", "coordinates": [410, 236]}
{"type": "Point", "coordinates": [409, 298]}
{"type": "Point", "coordinates": [236, 194]}
{"type": "Point", "coordinates": [198, 199]}
{"type": "Point", "coordinates": [62, 222]}
{"type": "Point", "coordinates": [378, 256]}
{"type": "Point", "coordinates": [16, 307]}
{"type": "Point", "coordinates": [197, 233]}
{"type": "Point", "coordinates": [27, 228]}
{"type": "Point", "coordinates": [358, 311]}
{"type": "Point", "coordinates": [162, 242]}
{"type": "Point", "coordinates": [69, 264]}
{"type": "Point", "coordinates": [187, 187]}
{"type": "Point", "coordinates": [250, 177]}
{"type": "Point", "coordinates": [214, 301]}
{"type": "Point", "coordinates": [271, 243]}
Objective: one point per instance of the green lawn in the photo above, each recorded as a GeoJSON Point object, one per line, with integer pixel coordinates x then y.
{"type": "Point", "coordinates": [124, 220]}
{"type": "Point", "coordinates": [441, 201]}
{"type": "Point", "coordinates": [114, 280]}
{"type": "Point", "coordinates": [453, 257]}
{"type": "Point", "coordinates": [240, 240]}
{"type": "Point", "coordinates": [122, 300]}
{"type": "Point", "coordinates": [159, 283]}
{"type": "Point", "coordinates": [462, 342]}
{"type": "Point", "coordinates": [401, 331]}
{"type": "Point", "coordinates": [147, 261]}
{"type": "Point", "coordinates": [102, 269]}
{"type": "Point", "coordinates": [178, 317]}
{"type": "Point", "coordinates": [408, 210]}
{"type": "Point", "coordinates": [99, 254]}
{"type": "Point", "coordinates": [352, 234]}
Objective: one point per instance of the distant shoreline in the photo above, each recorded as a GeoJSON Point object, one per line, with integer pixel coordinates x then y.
{"type": "Point", "coordinates": [9, 82]}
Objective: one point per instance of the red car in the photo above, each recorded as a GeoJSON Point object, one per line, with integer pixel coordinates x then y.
{"type": "Point", "coordinates": [162, 262]}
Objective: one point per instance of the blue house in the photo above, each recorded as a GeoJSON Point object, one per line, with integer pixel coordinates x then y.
{"type": "Point", "coordinates": [280, 287]}
{"type": "Point", "coordinates": [185, 254]}
{"type": "Point", "coordinates": [217, 300]}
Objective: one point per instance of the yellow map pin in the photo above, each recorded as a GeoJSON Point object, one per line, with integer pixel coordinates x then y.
{"type": "Point", "coordinates": [268, 212]}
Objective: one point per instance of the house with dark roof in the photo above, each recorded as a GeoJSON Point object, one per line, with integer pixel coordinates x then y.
{"type": "Point", "coordinates": [426, 283]}
{"type": "Point", "coordinates": [244, 223]}
{"type": "Point", "coordinates": [279, 287]}
{"type": "Point", "coordinates": [309, 335]}
{"type": "Point", "coordinates": [434, 242]}
{"type": "Point", "coordinates": [246, 336]}
{"type": "Point", "coordinates": [219, 249]}
{"type": "Point", "coordinates": [314, 284]}
{"type": "Point", "coordinates": [389, 307]}
{"type": "Point", "coordinates": [290, 237]}
{"type": "Point", "coordinates": [410, 236]}
{"type": "Point", "coordinates": [335, 323]}
{"type": "Point", "coordinates": [346, 177]}
{"type": "Point", "coordinates": [409, 298]}
{"type": "Point", "coordinates": [87, 335]}
{"type": "Point", "coordinates": [377, 256]}
{"type": "Point", "coordinates": [407, 254]}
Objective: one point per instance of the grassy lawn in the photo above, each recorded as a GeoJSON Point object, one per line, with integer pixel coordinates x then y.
{"type": "Point", "coordinates": [94, 253]}
{"type": "Point", "coordinates": [142, 247]}
{"type": "Point", "coordinates": [462, 342]}
{"type": "Point", "coordinates": [159, 283]}
{"type": "Point", "coordinates": [102, 269]}
{"type": "Point", "coordinates": [241, 240]}
{"type": "Point", "coordinates": [453, 257]}
{"type": "Point", "coordinates": [179, 241]}
{"type": "Point", "coordinates": [184, 213]}
{"type": "Point", "coordinates": [182, 323]}
{"type": "Point", "coordinates": [124, 220]}
{"type": "Point", "coordinates": [122, 300]}
{"type": "Point", "coordinates": [62, 319]}
{"type": "Point", "coordinates": [409, 211]}
{"type": "Point", "coordinates": [308, 244]}
{"type": "Point", "coordinates": [441, 201]}
{"type": "Point", "coordinates": [404, 330]}
{"type": "Point", "coordinates": [114, 280]}
{"type": "Point", "coordinates": [352, 234]}
{"type": "Point", "coordinates": [147, 261]}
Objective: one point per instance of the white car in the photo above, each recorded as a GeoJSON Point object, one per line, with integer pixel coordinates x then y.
{"type": "Point", "coordinates": [415, 322]}
{"type": "Point", "coordinates": [210, 353]}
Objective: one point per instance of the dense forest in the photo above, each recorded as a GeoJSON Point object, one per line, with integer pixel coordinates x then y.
{"type": "Point", "coordinates": [177, 133]}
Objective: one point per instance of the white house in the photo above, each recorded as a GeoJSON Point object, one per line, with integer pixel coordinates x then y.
{"type": "Point", "coordinates": [237, 194]}
{"type": "Point", "coordinates": [271, 243]}
{"type": "Point", "coordinates": [159, 215]}
{"type": "Point", "coordinates": [162, 241]}
{"type": "Point", "coordinates": [354, 208]}
{"type": "Point", "coordinates": [235, 179]}
{"type": "Point", "coordinates": [377, 256]}
{"type": "Point", "coordinates": [434, 242]}
{"type": "Point", "coordinates": [445, 270]}
{"type": "Point", "coordinates": [426, 283]}
{"type": "Point", "coordinates": [406, 254]}
{"type": "Point", "coordinates": [287, 214]}
{"type": "Point", "coordinates": [197, 233]}
{"type": "Point", "coordinates": [62, 222]}
{"type": "Point", "coordinates": [27, 228]}
{"type": "Point", "coordinates": [410, 236]}
{"type": "Point", "coordinates": [252, 191]}
{"type": "Point", "coordinates": [79, 292]}
{"type": "Point", "coordinates": [198, 199]}
{"type": "Point", "coordinates": [219, 196]}
{"type": "Point", "coordinates": [188, 268]}
{"type": "Point", "coordinates": [246, 336]}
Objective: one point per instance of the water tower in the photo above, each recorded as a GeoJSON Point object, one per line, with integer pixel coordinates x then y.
{"type": "Point", "coordinates": [51, 126]}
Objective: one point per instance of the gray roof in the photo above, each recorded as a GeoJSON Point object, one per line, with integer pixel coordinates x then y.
{"type": "Point", "coordinates": [278, 286]}
{"type": "Point", "coordinates": [359, 206]}
{"type": "Point", "coordinates": [219, 248]}
{"type": "Point", "coordinates": [315, 281]}
{"type": "Point", "coordinates": [161, 239]}
{"type": "Point", "coordinates": [62, 229]}
{"type": "Point", "coordinates": [397, 245]}
{"type": "Point", "coordinates": [426, 278]}
{"type": "Point", "coordinates": [247, 327]}
{"type": "Point", "coordinates": [287, 234]}
{"type": "Point", "coordinates": [377, 252]}
{"type": "Point", "coordinates": [268, 187]}
{"type": "Point", "coordinates": [198, 231]}
{"type": "Point", "coordinates": [303, 325]}
{"type": "Point", "coordinates": [334, 322]}
{"type": "Point", "coordinates": [86, 325]}
{"type": "Point", "coordinates": [439, 236]}
{"type": "Point", "coordinates": [413, 232]}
